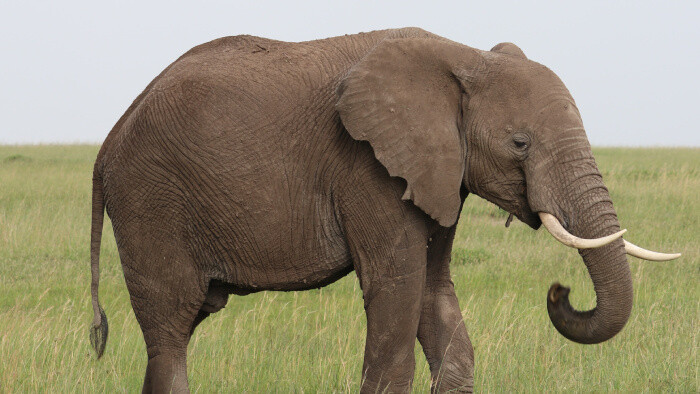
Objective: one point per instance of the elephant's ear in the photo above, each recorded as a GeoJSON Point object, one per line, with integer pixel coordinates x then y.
{"type": "Point", "coordinates": [405, 98]}
{"type": "Point", "coordinates": [509, 48]}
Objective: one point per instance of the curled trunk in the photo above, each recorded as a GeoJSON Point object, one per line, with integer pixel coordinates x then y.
{"type": "Point", "coordinates": [572, 190]}
{"type": "Point", "coordinates": [613, 286]}
{"type": "Point", "coordinates": [593, 216]}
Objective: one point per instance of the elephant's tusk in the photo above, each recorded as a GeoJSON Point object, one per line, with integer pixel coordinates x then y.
{"type": "Point", "coordinates": [636, 251]}
{"type": "Point", "coordinates": [560, 234]}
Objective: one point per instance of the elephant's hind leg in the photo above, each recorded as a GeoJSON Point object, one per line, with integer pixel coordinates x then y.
{"type": "Point", "coordinates": [167, 294]}
{"type": "Point", "coordinates": [167, 319]}
{"type": "Point", "coordinates": [168, 367]}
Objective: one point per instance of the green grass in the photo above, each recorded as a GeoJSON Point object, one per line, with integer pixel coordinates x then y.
{"type": "Point", "coordinates": [313, 341]}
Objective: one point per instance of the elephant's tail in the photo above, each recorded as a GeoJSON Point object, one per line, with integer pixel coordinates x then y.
{"type": "Point", "coordinates": [99, 328]}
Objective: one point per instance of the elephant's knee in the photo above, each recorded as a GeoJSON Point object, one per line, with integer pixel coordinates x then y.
{"type": "Point", "coordinates": [454, 378]}
{"type": "Point", "coordinates": [386, 386]}
{"type": "Point", "coordinates": [166, 373]}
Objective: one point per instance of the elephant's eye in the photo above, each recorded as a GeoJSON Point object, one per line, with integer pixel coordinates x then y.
{"type": "Point", "coordinates": [521, 141]}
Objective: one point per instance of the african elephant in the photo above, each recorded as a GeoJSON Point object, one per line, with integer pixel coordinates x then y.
{"type": "Point", "coordinates": [251, 164]}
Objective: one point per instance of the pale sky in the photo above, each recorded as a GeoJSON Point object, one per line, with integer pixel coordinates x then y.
{"type": "Point", "coordinates": [71, 68]}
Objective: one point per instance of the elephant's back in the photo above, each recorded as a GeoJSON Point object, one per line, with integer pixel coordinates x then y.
{"type": "Point", "coordinates": [231, 88]}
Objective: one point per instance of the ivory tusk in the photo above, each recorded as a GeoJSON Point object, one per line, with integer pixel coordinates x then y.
{"type": "Point", "coordinates": [636, 251]}
{"type": "Point", "coordinates": [560, 234]}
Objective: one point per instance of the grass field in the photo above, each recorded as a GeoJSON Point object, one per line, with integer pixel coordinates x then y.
{"type": "Point", "coordinates": [313, 341]}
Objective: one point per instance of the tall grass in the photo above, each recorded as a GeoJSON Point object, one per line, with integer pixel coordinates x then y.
{"type": "Point", "coordinates": [313, 341]}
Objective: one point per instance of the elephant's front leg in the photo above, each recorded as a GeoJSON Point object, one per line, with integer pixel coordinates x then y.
{"type": "Point", "coordinates": [390, 263]}
{"type": "Point", "coordinates": [442, 332]}
{"type": "Point", "coordinates": [393, 307]}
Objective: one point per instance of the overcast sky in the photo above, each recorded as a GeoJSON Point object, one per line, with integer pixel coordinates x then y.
{"type": "Point", "coordinates": [70, 69]}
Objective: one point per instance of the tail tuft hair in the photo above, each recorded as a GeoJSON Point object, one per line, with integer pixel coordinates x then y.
{"type": "Point", "coordinates": [98, 334]}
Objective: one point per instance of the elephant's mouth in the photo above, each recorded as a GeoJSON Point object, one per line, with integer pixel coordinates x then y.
{"type": "Point", "coordinates": [524, 213]}
{"type": "Point", "coordinates": [528, 217]}
{"type": "Point", "coordinates": [517, 205]}
{"type": "Point", "coordinates": [521, 210]}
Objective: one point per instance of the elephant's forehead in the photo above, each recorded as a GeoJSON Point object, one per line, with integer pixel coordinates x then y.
{"type": "Point", "coordinates": [529, 111]}
{"type": "Point", "coordinates": [523, 79]}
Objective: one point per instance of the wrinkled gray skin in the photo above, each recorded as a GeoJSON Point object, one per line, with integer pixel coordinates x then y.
{"type": "Point", "coordinates": [251, 164]}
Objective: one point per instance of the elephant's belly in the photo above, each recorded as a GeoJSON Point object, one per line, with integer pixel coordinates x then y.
{"type": "Point", "coordinates": [285, 268]}
{"type": "Point", "coordinates": [296, 277]}
{"type": "Point", "coordinates": [278, 248]}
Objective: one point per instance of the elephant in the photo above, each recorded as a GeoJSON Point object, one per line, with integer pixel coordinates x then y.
{"type": "Point", "coordinates": [251, 164]}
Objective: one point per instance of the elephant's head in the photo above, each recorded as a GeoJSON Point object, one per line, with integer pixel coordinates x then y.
{"type": "Point", "coordinates": [442, 115]}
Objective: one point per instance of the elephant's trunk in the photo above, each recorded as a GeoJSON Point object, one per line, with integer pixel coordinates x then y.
{"type": "Point", "coordinates": [613, 286]}
{"type": "Point", "coordinates": [572, 190]}
{"type": "Point", "coordinates": [593, 216]}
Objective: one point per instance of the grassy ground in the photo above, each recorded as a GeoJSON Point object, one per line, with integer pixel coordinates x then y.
{"type": "Point", "coordinates": [313, 341]}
